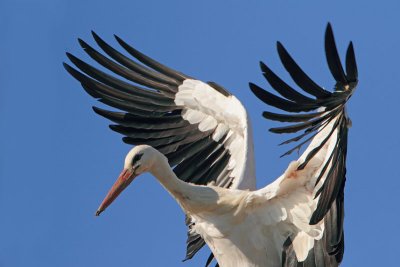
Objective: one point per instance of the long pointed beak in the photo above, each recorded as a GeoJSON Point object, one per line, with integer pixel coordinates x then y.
{"type": "Point", "coordinates": [124, 179]}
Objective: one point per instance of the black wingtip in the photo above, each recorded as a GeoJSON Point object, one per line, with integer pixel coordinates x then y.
{"type": "Point", "coordinates": [124, 44]}
{"type": "Point", "coordinates": [328, 27]}
{"type": "Point", "coordinates": [66, 66]}
{"type": "Point", "coordinates": [99, 111]}
{"type": "Point", "coordinates": [351, 64]}
{"type": "Point", "coordinates": [282, 52]}
{"type": "Point", "coordinates": [97, 38]}
{"type": "Point", "coordinates": [73, 58]}
{"type": "Point", "coordinates": [119, 129]}
{"type": "Point", "coordinates": [298, 75]}
{"type": "Point", "coordinates": [329, 30]}
{"type": "Point", "coordinates": [263, 67]}
{"type": "Point", "coordinates": [127, 140]}
{"type": "Point", "coordinates": [350, 47]}
{"type": "Point", "coordinates": [329, 33]}
{"type": "Point", "coordinates": [114, 127]}
{"type": "Point", "coordinates": [70, 69]}
{"type": "Point", "coordinates": [333, 59]}
{"type": "Point", "coordinates": [119, 40]}
{"type": "Point", "coordinates": [83, 44]}
{"type": "Point", "coordinates": [254, 88]}
{"type": "Point", "coordinates": [280, 47]}
{"type": "Point", "coordinates": [70, 56]}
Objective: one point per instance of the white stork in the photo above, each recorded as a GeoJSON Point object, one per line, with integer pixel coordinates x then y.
{"type": "Point", "coordinates": [204, 133]}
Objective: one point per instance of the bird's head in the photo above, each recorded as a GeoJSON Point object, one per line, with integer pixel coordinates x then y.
{"type": "Point", "coordinates": [140, 159]}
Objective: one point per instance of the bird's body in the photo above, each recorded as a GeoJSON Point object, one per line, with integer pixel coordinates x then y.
{"type": "Point", "coordinates": [243, 227]}
{"type": "Point", "coordinates": [196, 139]}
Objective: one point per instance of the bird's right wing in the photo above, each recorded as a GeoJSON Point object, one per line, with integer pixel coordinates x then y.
{"type": "Point", "coordinates": [322, 120]}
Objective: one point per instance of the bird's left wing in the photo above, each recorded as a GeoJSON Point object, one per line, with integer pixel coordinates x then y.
{"type": "Point", "coordinates": [200, 127]}
{"type": "Point", "coordinates": [322, 120]}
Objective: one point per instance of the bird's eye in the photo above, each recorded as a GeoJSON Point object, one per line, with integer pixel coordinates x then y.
{"type": "Point", "coordinates": [136, 158]}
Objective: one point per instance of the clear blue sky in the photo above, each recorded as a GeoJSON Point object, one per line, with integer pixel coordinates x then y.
{"type": "Point", "coordinates": [58, 158]}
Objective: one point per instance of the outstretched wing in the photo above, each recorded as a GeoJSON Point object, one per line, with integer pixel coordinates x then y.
{"type": "Point", "coordinates": [322, 118]}
{"type": "Point", "coordinates": [200, 127]}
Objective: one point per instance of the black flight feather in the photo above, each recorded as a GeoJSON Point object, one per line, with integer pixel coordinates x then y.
{"type": "Point", "coordinates": [328, 109]}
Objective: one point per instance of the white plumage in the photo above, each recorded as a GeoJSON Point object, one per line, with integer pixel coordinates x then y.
{"type": "Point", "coordinates": [205, 106]}
{"type": "Point", "coordinates": [204, 133]}
{"type": "Point", "coordinates": [238, 225]}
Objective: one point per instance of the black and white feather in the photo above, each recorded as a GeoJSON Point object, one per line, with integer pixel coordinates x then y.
{"type": "Point", "coordinates": [316, 110]}
{"type": "Point", "coordinates": [185, 119]}
{"type": "Point", "coordinates": [205, 134]}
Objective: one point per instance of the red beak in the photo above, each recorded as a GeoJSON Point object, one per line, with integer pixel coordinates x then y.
{"type": "Point", "coordinates": [124, 179]}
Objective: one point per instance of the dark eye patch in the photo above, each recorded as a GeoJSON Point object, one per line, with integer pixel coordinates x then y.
{"type": "Point", "coordinates": [136, 158]}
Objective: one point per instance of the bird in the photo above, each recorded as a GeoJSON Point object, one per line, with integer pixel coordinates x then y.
{"type": "Point", "coordinates": [195, 138]}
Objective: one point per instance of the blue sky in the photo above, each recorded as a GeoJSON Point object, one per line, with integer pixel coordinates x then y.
{"type": "Point", "coordinates": [59, 158]}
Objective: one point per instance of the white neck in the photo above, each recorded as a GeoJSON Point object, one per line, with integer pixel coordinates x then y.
{"type": "Point", "coordinates": [192, 198]}
{"type": "Point", "coordinates": [164, 174]}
